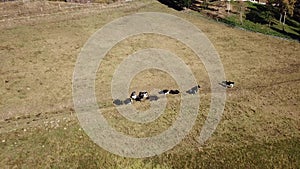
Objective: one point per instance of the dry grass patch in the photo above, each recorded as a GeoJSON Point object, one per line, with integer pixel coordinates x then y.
{"type": "Point", "coordinates": [259, 128]}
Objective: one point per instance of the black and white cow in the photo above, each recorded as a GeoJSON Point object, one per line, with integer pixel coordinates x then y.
{"type": "Point", "coordinates": [133, 96]}
{"type": "Point", "coordinates": [142, 96]}
{"type": "Point", "coordinates": [174, 92]}
{"type": "Point", "coordinates": [228, 84]}
{"type": "Point", "coordinates": [166, 91]}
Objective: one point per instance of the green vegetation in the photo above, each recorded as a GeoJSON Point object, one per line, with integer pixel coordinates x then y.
{"type": "Point", "coordinates": [282, 20]}
{"type": "Point", "coordinates": [263, 19]}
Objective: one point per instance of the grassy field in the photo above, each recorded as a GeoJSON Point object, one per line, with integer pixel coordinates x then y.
{"type": "Point", "coordinates": [260, 127]}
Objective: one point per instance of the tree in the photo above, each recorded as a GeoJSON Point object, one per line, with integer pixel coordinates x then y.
{"type": "Point", "coordinates": [205, 4]}
{"type": "Point", "coordinates": [228, 6]}
{"type": "Point", "coordinates": [285, 6]}
{"type": "Point", "coordinates": [241, 8]}
{"type": "Point", "coordinates": [288, 6]}
{"type": "Point", "coordinates": [268, 16]}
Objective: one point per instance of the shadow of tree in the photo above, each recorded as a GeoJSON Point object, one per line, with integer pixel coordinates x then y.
{"type": "Point", "coordinates": [296, 30]}
{"type": "Point", "coordinates": [292, 23]}
{"type": "Point", "coordinates": [256, 15]}
{"type": "Point", "coordinates": [176, 4]}
{"type": "Point", "coordinates": [291, 35]}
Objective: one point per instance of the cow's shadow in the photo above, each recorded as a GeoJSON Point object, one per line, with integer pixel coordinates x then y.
{"type": "Point", "coordinates": [223, 84]}
{"type": "Point", "coordinates": [118, 102]}
{"type": "Point", "coordinates": [153, 98]}
{"type": "Point", "coordinates": [193, 90]}
{"type": "Point", "coordinates": [127, 101]}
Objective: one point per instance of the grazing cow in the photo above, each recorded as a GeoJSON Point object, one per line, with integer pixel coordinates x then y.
{"type": "Point", "coordinates": [174, 92]}
{"type": "Point", "coordinates": [165, 91]}
{"type": "Point", "coordinates": [193, 90]}
{"type": "Point", "coordinates": [133, 95]}
{"type": "Point", "coordinates": [228, 84]}
{"type": "Point", "coordinates": [143, 96]}
{"type": "Point", "coordinates": [169, 92]}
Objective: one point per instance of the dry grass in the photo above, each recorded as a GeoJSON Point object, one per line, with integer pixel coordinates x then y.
{"type": "Point", "coordinates": [259, 129]}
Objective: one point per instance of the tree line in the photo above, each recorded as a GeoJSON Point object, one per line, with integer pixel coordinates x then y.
{"type": "Point", "coordinates": [283, 7]}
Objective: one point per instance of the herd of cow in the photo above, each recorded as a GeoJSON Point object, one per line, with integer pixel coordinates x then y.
{"type": "Point", "coordinates": [143, 95]}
